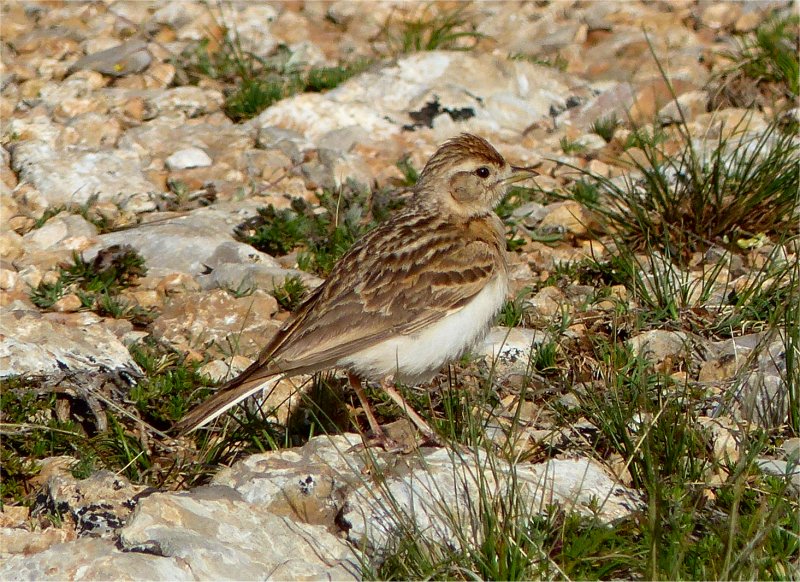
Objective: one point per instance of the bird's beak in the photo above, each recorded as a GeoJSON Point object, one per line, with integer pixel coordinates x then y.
{"type": "Point", "coordinates": [519, 174]}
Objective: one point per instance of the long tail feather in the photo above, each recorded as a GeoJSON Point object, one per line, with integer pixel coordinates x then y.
{"type": "Point", "coordinates": [227, 397]}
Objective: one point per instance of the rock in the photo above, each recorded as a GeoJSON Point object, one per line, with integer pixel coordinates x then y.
{"type": "Point", "coordinates": [657, 345]}
{"type": "Point", "coordinates": [205, 320]}
{"type": "Point", "coordinates": [720, 15]}
{"type": "Point", "coordinates": [99, 505]}
{"type": "Point", "coordinates": [126, 59]}
{"type": "Point", "coordinates": [442, 502]}
{"type": "Point", "coordinates": [219, 370]}
{"type": "Point", "coordinates": [747, 22]}
{"type": "Point", "coordinates": [723, 434]}
{"type": "Point", "coordinates": [761, 396]}
{"type": "Point", "coordinates": [168, 136]}
{"type": "Point", "coordinates": [32, 344]}
{"type": "Point", "coordinates": [791, 449]}
{"type": "Point", "coordinates": [309, 484]}
{"type": "Point", "coordinates": [92, 559]}
{"type": "Point", "coordinates": [197, 241]}
{"type": "Point", "coordinates": [549, 302]}
{"type": "Point", "coordinates": [59, 228]}
{"type": "Point", "coordinates": [590, 142]}
{"type": "Point", "coordinates": [77, 177]}
{"type": "Point", "coordinates": [248, 276]}
{"type": "Point", "coordinates": [476, 92]}
{"type": "Point", "coordinates": [508, 350]}
{"type": "Point", "coordinates": [569, 216]}
{"type": "Point", "coordinates": [216, 534]}
{"type": "Point", "coordinates": [188, 158]}
{"type": "Point", "coordinates": [16, 540]}
{"type": "Point", "coordinates": [8, 279]}
{"type": "Point", "coordinates": [315, 115]}
{"type": "Point", "coordinates": [69, 303]}
{"type": "Point", "coordinates": [690, 104]}
{"type": "Point", "coordinates": [190, 101]}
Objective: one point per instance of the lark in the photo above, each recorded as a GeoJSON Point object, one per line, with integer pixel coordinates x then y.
{"type": "Point", "coordinates": [410, 296]}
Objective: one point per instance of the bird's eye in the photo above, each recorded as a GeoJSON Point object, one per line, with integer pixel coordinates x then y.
{"type": "Point", "coordinates": [482, 172]}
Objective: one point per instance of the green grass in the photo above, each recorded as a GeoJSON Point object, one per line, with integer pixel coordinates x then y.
{"type": "Point", "coordinates": [673, 233]}
{"type": "Point", "coordinates": [737, 188]}
{"type": "Point", "coordinates": [437, 30]}
{"type": "Point", "coordinates": [320, 238]}
{"type": "Point", "coordinates": [741, 527]}
{"type": "Point", "coordinates": [569, 146]}
{"type": "Point", "coordinates": [768, 57]}
{"type": "Point", "coordinates": [326, 78]}
{"type": "Point", "coordinates": [86, 210]}
{"type": "Point", "coordinates": [252, 83]}
{"type": "Point", "coordinates": [557, 62]}
{"type": "Point", "coordinates": [605, 127]}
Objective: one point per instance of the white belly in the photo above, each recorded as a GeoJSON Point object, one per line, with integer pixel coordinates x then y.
{"type": "Point", "coordinates": [415, 358]}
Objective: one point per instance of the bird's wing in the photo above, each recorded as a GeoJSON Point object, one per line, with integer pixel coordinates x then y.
{"type": "Point", "coordinates": [378, 292]}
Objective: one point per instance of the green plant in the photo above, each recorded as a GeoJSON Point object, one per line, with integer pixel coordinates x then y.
{"type": "Point", "coordinates": [585, 192]}
{"type": "Point", "coordinates": [444, 30]}
{"type": "Point", "coordinates": [702, 197]}
{"type": "Point", "coordinates": [254, 83]}
{"type": "Point", "coordinates": [557, 62]}
{"type": "Point", "coordinates": [252, 96]}
{"type": "Point", "coordinates": [325, 78]}
{"type": "Point", "coordinates": [46, 294]}
{"type": "Point", "coordinates": [98, 283]}
{"type": "Point", "coordinates": [545, 357]}
{"type": "Point", "coordinates": [569, 146]}
{"type": "Point", "coordinates": [86, 210]}
{"type": "Point", "coordinates": [31, 431]}
{"type": "Point", "coordinates": [769, 55]}
{"type": "Point", "coordinates": [290, 293]}
{"type": "Point", "coordinates": [645, 137]}
{"type": "Point", "coordinates": [410, 174]}
{"type": "Point", "coordinates": [513, 312]}
{"type": "Point", "coordinates": [320, 238]}
{"type": "Point", "coordinates": [605, 127]}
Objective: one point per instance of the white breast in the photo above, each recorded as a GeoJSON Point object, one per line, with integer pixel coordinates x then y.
{"type": "Point", "coordinates": [415, 358]}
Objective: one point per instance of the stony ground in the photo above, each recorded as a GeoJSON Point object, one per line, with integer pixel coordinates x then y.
{"type": "Point", "coordinates": [175, 176]}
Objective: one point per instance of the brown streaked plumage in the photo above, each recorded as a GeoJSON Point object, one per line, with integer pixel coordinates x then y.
{"type": "Point", "coordinates": [409, 296]}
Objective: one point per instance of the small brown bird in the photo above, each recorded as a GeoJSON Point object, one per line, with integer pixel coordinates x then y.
{"type": "Point", "coordinates": [408, 297]}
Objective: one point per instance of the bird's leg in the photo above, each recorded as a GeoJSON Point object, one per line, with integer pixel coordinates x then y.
{"type": "Point", "coordinates": [424, 427]}
{"type": "Point", "coordinates": [355, 382]}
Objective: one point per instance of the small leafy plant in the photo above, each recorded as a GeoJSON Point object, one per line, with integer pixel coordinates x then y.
{"type": "Point", "coordinates": [98, 283]}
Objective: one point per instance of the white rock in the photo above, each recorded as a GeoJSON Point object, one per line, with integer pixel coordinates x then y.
{"type": "Point", "coordinates": [92, 559]}
{"type": "Point", "coordinates": [443, 502]}
{"type": "Point", "coordinates": [60, 228]}
{"type": "Point", "coordinates": [188, 158]}
{"type": "Point", "coordinates": [34, 345]}
{"type": "Point", "coordinates": [75, 177]}
{"type": "Point", "coordinates": [220, 536]}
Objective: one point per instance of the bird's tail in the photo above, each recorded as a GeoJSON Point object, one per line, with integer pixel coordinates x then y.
{"type": "Point", "coordinates": [228, 396]}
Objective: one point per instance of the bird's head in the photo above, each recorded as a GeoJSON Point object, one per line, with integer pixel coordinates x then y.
{"type": "Point", "coordinates": [467, 176]}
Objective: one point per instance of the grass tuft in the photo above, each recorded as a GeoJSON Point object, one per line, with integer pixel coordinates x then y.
{"type": "Point", "coordinates": [707, 194]}
{"type": "Point", "coordinates": [445, 30]}
{"type": "Point", "coordinates": [605, 127]}
{"type": "Point", "coordinates": [764, 66]}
